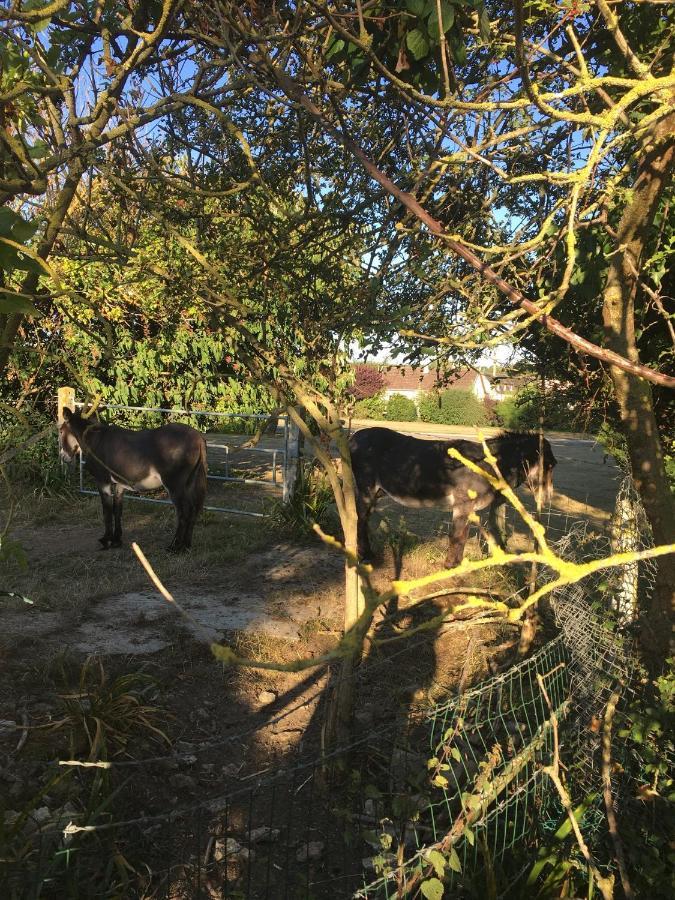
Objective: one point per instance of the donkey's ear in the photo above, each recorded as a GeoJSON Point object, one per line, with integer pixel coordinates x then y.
{"type": "Point", "coordinates": [67, 414]}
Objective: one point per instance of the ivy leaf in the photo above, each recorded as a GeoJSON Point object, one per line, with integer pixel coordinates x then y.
{"type": "Point", "coordinates": [417, 43]}
{"type": "Point", "coordinates": [432, 889]}
{"type": "Point", "coordinates": [458, 48]}
{"type": "Point", "coordinates": [23, 231]}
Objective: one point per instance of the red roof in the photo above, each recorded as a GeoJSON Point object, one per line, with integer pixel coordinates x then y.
{"type": "Point", "coordinates": [405, 378]}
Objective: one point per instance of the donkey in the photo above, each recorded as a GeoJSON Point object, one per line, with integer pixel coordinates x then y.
{"type": "Point", "coordinates": [419, 472]}
{"type": "Point", "coordinates": [173, 456]}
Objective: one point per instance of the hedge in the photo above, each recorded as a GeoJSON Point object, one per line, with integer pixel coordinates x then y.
{"type": "Point", "coordinates": [370, 407]}
{"type": "Point", "coordinates": [401, 409]}
{"type": "Point", "coordinates": [453, 407]}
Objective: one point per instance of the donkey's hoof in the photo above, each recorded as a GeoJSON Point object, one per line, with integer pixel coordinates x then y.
{"type": "Point", "coordinates": [175, 549]}
{"type": "Point", "coordinates": [116, 543]}
{"type": "Point", "coordinates": [104, 542]}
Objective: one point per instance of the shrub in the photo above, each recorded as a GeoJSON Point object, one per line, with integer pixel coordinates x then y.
{"type": "Point", "coordinates": [453, 407]}
{"type": "Point", "coordinates": [311, 501]}
{"type": "Point", "coordinates": [508, 413]}
{"type": "Point", "coordinates": [562, 410]}
{"type": "Point", "coordinates": [370, 407]}
{"type": "Point", "coordinates": [368, 382]}
{"type": "Point", "coordinates": [401, 409]}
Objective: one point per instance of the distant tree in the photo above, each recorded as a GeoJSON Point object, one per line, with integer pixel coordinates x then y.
{"type": "Point", "coordinates": [368, 382]}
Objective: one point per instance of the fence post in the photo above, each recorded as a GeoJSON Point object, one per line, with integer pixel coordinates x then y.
{"type": "Point", "coordinates": [65, 397]}
{"type": "Point", "coordinates": [293, 453]}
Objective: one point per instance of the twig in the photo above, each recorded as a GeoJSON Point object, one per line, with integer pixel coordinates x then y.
{"type": "Point", "coordinates": [24, 733]}
{"type": "Point", "coordinates": [465, 668]}
{"type": "Point", "coordinates": [609, 800]}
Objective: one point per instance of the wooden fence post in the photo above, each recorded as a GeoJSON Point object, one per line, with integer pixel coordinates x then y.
{"type": "Point", "coordinates": [65, 397]}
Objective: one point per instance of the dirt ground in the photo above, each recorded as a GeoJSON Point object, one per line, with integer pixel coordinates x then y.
{"type": "Point", "coordinates": [247, 584]}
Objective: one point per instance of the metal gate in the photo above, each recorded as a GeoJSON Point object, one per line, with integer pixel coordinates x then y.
{"type": "Point", "coordinates": [227, 460]}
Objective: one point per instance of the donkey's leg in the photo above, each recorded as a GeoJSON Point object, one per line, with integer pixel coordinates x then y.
{"type": "Point", "coordinates": [497, 521]}
{"type": "Point", "coordinates": [364, 507]}
{"type": "Point", "coordinates": [196, 493]}
{"type": "Point", "coordinates": [105, 492]}
{"type": "Point", "coordinates": [182, 505]}
{"type": "Point", "coordinates": [118, 494]}
{"type": "Point", "coordinates": [459, 532]}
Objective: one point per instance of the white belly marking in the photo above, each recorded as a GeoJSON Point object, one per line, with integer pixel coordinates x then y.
{"type": "Point", "coordinates": [151, 482]}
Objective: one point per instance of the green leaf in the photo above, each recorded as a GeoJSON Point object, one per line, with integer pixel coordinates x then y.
{"type": "Point", "coordinates": [7, 218]}
{"type": "Point", "coordinates": [458, 48]}
{"type": "Point", "coordinates": [453, 861]}
{"type": "Point", "coordinates": [469, 835]}
{"type": "Point", "coordinates": [437, 860]}
{"type": "Point", "coordinates": [484, 26]}
{"type": "Point", "coordinates": [40, 25]}
{"type": "Point", "coordinates": [419, 7]}
{"type": "Point", "coordinates": [38, 150]}
{"type": "Point", "coordinates": [448, 16]}
{"type": "Point", "coordinates": [23, 231]}
{"type": "Point", "coordinates": [417, 43]}
{"type": "Point", "coordinates": [456, 754]}
{"type": "Point", "coordinates": [432, 889]}
{"type": "Point", "coordinates": [335, 48]}
{"type": "Point", "coordinates": [10, 305]}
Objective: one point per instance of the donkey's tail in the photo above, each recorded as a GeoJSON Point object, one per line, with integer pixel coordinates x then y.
{"type": "Point", "coordinates": [196, 481]}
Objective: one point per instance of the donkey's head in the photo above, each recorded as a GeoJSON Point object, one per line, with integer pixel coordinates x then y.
{"type": "Point", "coordinates": [71, 433]}
{"type": "Point", "coordinates": [538, 463]}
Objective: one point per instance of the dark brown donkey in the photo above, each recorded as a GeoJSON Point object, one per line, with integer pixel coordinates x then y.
{"type": "Point", "coordinates": [418, 472]}
{"type": "Point", "coordinates": [119, 459]}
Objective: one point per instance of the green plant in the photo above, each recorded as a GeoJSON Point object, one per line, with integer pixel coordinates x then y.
{"type": "Point", "coordinates": [453, 407]}
{"type": "Point", "coordinates": [648, 823]}
{"type": "Point", "coordinates": [370, 407]}
{"type": "Point", "coordinates": [311, 502]}
{"type": "Point", "coordinates": [401, 409]}
{"type": "Point", "coordinates": [103, 714]}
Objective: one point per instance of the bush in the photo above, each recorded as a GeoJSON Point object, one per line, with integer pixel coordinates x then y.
{"type": "Point", "coordinates": [401, 409]}
{"type": "Point", "coordinates": [508, 414]}
{"type": "Point", "coordinates": [370, 408]}
{"type": "Point", "coordinates": [453, 407]}
{"type": "Point", "coordinates": [561, 410]}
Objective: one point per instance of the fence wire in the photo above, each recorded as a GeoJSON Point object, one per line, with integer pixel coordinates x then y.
{"type": "Point", "coordinates": [488, 749]}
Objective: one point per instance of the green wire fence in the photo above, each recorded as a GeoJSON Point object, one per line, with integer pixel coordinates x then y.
{"type": "Point", "coordinates": [487, 793]}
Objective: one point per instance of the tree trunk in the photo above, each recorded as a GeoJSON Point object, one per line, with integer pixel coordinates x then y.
{"type": "Point", "coordinates": [10, 324]}
{"type": "Point", "coordinates": [341, 705]}
{"type": "Point", "coordinates": [634, 395]}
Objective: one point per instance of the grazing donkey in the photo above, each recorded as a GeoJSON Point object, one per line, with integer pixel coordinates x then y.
{"type": "Point", "coordinates": [419, 472]}
{"type": "Point", "coordinates": [173, 456]}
